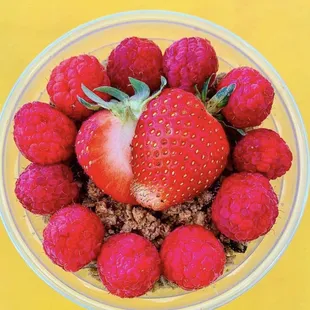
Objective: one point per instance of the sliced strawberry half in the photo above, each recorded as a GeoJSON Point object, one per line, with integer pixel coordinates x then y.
{"type": "Point", "coordinates": [103, 144]}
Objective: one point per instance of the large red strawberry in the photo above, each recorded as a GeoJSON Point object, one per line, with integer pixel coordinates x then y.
{"type": "Point", "coordinates": [103, 142]}
{"type": "Point", "coordinates": [179, 149]}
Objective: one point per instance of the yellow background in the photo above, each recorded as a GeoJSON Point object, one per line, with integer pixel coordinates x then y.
{"type": "Point", "coordinates": [279, 29]}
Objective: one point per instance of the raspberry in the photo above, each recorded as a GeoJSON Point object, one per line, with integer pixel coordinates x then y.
{"type": "Point", "coordinates": [44, 135]}
{"type": "Point", "coordinates": [65, 84]}
{"type": "Point", "coordinates": [245, 207]}
{"type": "Point", "coordinates": [45, 189]}
{"type": "Point", "coordinates": [252, 99]}
{"type": "Point", "coordinates": [73, 237]}
{"type": "Point", "coordinates": [192, 257]}
{"type": "Point", "coordinates": [137, 58]}
{"type": "Point", "coordinates": [264, 151]}
{"type": "Point", "coordinates": [128, 265]}
{"type": "Point", "coordinates": [189, 62]}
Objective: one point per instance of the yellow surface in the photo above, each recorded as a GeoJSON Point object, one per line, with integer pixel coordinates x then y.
{"type": "Point", "coordinates": [279, 29]}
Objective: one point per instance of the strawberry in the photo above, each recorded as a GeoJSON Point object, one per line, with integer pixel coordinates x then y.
{"type": "Point", "coordinates": [103, 141]}
{"type": "Point", "coordinates": [137, 58]}
{"type": "Point", "coordinates": [178, 150]}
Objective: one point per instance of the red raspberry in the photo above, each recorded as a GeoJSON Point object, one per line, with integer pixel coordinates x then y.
{"type": "Point", "coordinates": [192, 257]}
{"type": "Point", "coordinates": [73, 237]}
{"type": "Point", "coordinates": [189, 62]}
{"type": "Point", "coordinates": [245, 207]}
{"type": "Point", "coordinates": [128, 265]}
{"type": "Point", "coordinates": [44, 135]}
{"type": "Point", "coordinates": [45, 189]}
{"type": "Point", "coordinates": [137, 58]}
{"type": "Point", "coordinates": [65, 84]}
{"type": "Point", "coordinates": [263, 150]}
{"type": "Point", "coordinates": [252, 99]}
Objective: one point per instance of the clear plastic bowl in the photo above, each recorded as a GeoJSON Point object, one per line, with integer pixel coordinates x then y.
{"type": "Point", "coordinates": [98, 38]}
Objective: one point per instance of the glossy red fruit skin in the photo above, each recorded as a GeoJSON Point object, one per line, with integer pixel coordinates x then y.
{"type": "Point", "coordinates": [178, 150]}
{"type": "Point", "coordinates": [73, 237]}
{"type": "Point", "coordinates": [264, 151]}
{"type": "Point", "coordinates": [137, 58]}
{"type": "Point", "coordinates": [45, 189]}
{"type": "Point", "coordinates": [129, 265]}
{"type": "Point", "coordinates": [42, 134]}
{"type": "Point", "coordinates": [65, 82]}
{"type": "Point", "coordinates": [251, 102]}
{"type": "Point", "coordinates": [103, 150]}
{"type": "Point", "coordinates": [245, 207]}
{"type": "Point", "coordinates": [192, 257]}
{"type": "Point", "coordinates": [189, 62]}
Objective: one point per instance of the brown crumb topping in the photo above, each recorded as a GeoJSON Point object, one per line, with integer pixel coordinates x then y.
{"type": "Point", "coordinates": [118, 217]}
{"type": "Point", "coordinates": [93, 192]}
{"type": "Point", "coordinates": [155, 226]}
{"type": "Point", "coordinates": [191, 212]}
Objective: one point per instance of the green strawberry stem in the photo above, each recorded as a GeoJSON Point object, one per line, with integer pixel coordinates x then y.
{"type": "Point", "coordinates": [220, 118]}
{"type": "Point", "coordinates": [218, 102]}
{"type": "Point", "coordinates": [205, 88]}
{"type": "Point", "coordinates": [220, 99]}
{"type": "Point", "coordinates": [114, 92]}
{"type": "Point", "coordinates": [124, 107]}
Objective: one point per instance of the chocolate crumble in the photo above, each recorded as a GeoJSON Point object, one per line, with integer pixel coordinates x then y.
{"type": "Point", "coordinates": [155, 226]}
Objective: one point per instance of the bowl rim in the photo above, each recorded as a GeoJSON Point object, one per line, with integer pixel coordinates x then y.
{"type": "Point", "coordinates": [261, 270]}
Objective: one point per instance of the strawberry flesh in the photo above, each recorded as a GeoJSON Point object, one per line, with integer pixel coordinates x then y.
{"type": "Point", "coordinates": [103, 150]}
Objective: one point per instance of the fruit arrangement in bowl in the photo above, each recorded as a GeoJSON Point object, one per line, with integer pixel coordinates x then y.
{"type": "Point", "coordinates": [146, 150]}
{"type": "Point", "coordinates": [149, 167]}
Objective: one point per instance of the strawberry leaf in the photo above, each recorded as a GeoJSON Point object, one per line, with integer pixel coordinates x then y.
{"type": "Point", "coordinates": [123, 106]}
{"type": "Point", "coordinates": [92, 96]}
{"type": "Point", "coordinates": [220, 99]}
{"type": "Point", "coordinates": [163, 83]}
{"type": "Point", "coordinates": [198, 93]}
{"type": "Point", "coordinates": [88, 105]}
{"type": "Point", "coordinates": [114, 92]}
{"type": "Point", "coordinates": [142, 91]}
{"type": "Point", "coordinates": [137, 107]}
{"type": "Point", "coordinates": [238, 130]}
{"type": "Point", "coordinates": [205, 88]}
